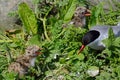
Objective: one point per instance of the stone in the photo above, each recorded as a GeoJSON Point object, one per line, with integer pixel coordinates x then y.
{"type": "Point", "coordinates": [8, 22]}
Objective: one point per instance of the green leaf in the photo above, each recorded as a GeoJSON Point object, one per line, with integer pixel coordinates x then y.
{"type": "Point", "coordinates": [96, 13]}
{"type": "Point", "coordinates": [104, 76]}
{"type": "Point", "coordinates": [117, 70]}
{"type": "Point", "coordinates": [111, 36]}
{"type": "Point", "coordinates": [70, 11]}
{"type": "Point", "coordinates": [34, 40]}
{"type": "Point", "coordinates": [28, 18]}
{"type": "Point", "coordinates": [110, 40]}
{"type": "Point", "coordinates": [107, 52]}
{"type": "Point", "coordinates": [9, 76]}
{"type": "Point", "coordinates": [81, 57]}
{"type": "Point", "coordinates": [117, 42]}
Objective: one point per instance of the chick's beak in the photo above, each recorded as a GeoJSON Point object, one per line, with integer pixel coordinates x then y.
{"type": "Point", "coordinates": [38, 52]}
{"type": "Point", "coordinates": [87, 12]}
{"type": "Point", "coordinates": [81, 49]}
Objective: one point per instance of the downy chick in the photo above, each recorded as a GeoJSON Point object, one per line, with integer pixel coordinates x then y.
{"type": "Point", "coordinates": [22, 63]}
{"type": "Point", "coordinates": [79, 17]}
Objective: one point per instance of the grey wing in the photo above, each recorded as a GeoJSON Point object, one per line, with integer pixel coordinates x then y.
{"type": "Point", "coordinates": [116, 31]}
{"type": "Point", "coordinates": [104, 29]}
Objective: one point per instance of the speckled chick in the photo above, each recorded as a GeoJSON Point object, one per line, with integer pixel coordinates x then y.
{"type": "Point", "coordinates": [79, 17]}
{"type": "Point", "coordinates": [22, 63]}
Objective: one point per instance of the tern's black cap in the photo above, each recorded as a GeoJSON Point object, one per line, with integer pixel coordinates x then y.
{"type": "Point", "coordinates": [90, 37]}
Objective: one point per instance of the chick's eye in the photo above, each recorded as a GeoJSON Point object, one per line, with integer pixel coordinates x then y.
{"type": "Point", "coordinates": [82, 12]}
{"type": "Point", "coordinates": [28, 52]}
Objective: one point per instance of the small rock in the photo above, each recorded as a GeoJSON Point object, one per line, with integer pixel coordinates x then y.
{"type": "Point", "coordinates": [93, 71]}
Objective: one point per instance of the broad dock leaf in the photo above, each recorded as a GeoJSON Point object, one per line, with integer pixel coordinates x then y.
{"type": "Point", "coordinates": [28, 18]}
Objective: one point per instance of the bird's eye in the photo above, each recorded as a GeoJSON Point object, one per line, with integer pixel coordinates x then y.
{"type": "Point", "coordinates": [82, 12]}
{"type": "Point", "coordinates": [28, 52]}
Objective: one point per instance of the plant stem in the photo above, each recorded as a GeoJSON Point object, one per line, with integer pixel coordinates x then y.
{"type": "Point", "coordinates": [44, 23]}
{"type": "Point", "coordinates": [61, 33]}
{"type": "Point", "coordinates": [45, 31]}
{"type": "Point", "coordinates": [8, 50]}
{"type": "Point", "coordinates": [7, 41]}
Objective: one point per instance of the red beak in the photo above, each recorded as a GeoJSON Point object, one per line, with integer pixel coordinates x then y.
{"type": "Point", "coordinates": [81, 49]}
{"type": "Point", "coordinates": [38, 53]}
{"type": "Point", "coordinates": [87, 13]}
